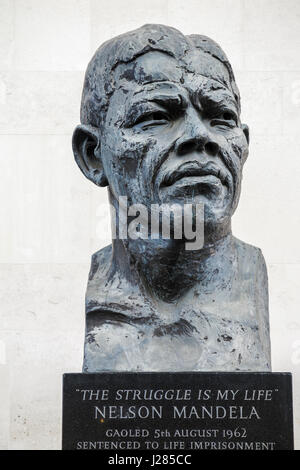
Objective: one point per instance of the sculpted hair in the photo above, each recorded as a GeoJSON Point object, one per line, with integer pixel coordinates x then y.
{"type": "Point", "coordinates": [99, 83]}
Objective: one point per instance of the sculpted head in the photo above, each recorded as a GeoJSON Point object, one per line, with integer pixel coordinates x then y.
{"type": "Point", "coordinates": [160, 122]}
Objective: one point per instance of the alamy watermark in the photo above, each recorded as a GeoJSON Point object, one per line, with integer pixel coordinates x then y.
{"type": "Point", "coordinates": [159, 221]}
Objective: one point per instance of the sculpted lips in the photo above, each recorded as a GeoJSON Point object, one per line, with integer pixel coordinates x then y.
{"type": "Point", "coordinates": [195, 169]}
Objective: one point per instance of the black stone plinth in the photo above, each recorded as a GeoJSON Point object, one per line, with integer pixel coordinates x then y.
{"type": "Point", "coordinates": [184, 411]}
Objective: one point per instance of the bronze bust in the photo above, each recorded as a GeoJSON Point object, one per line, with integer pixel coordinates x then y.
{"type": "Point", "coordinates": [160, 124]}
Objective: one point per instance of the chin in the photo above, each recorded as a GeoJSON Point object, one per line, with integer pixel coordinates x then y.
{"type": "Point", "coordinates": [215, 215]}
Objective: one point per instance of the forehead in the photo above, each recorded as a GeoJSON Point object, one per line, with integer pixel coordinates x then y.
{"type": "Point", "coordinates": [199, 72]}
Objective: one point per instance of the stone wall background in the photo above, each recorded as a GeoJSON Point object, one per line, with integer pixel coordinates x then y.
{"type": "Point", "coordinates": [53, 219]}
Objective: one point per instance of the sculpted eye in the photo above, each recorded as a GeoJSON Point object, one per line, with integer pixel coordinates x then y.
{"type": "Point", "coordinates": [156, 118]}
{"type": "Point", "coordinates": [227, 118]}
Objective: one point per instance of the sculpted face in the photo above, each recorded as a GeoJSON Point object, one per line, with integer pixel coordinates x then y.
{"type": "Point", "coordinates": [172, 134]}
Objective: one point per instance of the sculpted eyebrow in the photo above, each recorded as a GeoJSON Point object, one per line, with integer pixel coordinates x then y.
{"type": "Point", "coordinates": [218, 100]}
{"type": "Point", "coordinates": [172, 101]}
{"type": "Point", "coordinates": [175, 103]}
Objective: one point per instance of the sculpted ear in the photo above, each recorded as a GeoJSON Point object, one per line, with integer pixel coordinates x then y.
{"type": "Point", "coordinates": [246, 132]}
{"type": "Point", "coordinates": [86, 149]}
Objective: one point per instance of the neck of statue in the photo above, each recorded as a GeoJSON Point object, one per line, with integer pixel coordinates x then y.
{"type": "Point", "coordinates": [165, 269]}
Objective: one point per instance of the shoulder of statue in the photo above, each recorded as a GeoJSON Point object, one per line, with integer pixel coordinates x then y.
{"type": "Point", "coordinates": [251, 262]}
{"type": "Point", "coordinates": [100, 262]}
{"type": "Point", "coordinates": [245, 249]}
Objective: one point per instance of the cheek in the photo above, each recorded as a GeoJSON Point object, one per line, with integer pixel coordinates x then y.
{"type": "Point", "coordinates": [129, 163]}
{"type": "Point", "coordinates": [234, 154]}
{"type": "Point", "coordinates": [137, 155]}
{"type": "Point", "coordinates": [128, 147]}
{"type": "Point", "coordinates": [239, 147]}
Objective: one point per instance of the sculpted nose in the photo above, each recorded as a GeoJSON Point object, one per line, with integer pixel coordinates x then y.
{"type": "Point", "coordinates": [196, 138]}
